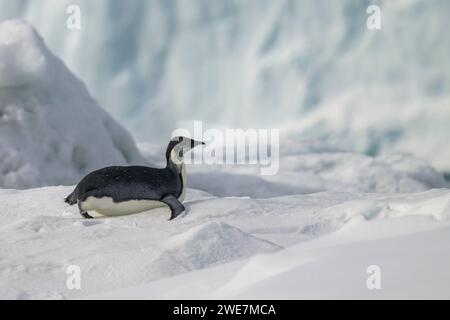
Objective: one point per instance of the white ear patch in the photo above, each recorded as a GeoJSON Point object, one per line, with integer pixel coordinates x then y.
{"type": "Point", "coordinates": [176, 159]}
{"type": "Point", "coordinates": [180, 165]}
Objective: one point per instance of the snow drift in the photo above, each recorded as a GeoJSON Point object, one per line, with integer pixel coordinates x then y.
{"type": "Point", "coordinates": [303, 246]}
{"type": "Point", "coordinates": [51, 130]}
{"type": "Point", "coordinates": [206, 245]}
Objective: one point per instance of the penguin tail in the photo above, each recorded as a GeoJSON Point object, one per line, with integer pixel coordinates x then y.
{"type": "Point", "coordinates": [71, 199]}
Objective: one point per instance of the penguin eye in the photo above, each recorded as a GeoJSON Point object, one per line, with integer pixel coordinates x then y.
{"type": "Point", "coordinates": [179, 150]}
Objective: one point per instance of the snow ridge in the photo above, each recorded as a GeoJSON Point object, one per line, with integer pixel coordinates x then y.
{"type": "Point", "coordinates": [51, 130]}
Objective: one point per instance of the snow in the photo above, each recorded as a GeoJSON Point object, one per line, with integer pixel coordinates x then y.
{"type": "Point", "coordinates": [310, 231]}
{"type": "Point", "coordinates": [302, 246]}
{"type": "Point", "coordinates": [208, 244]}
{"type": "Point", "coordinates": [307, 167]}
{"type": "Point", "coordinates": [307, 64]}
{"type": "Point", "coordinates": [51, 130]}
{"type": "Point", "coordinates": [331, 271]}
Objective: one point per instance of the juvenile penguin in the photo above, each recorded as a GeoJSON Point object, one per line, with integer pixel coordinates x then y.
{"type": "Point", "coordinates": [117, 190]}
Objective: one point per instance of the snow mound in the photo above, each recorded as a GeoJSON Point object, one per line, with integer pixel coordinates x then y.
{"type": "Point", "coordinates": [355, 172]}
{"type": "Point", "coordinates": [209, 244]}
{"type": "Point", "coordinates": [318, 172]}
{"type": "Point", "coordinates": [374, 209]}
{"type": "Point", "coordinates": [51, 130]}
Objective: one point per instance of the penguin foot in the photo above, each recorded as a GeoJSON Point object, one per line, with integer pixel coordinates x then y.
{"type": "Point", "coordinates": [176, 208]}
{"type": "Point", "coordinates": [83, 213]}
{"type": "Point", "coordinates": [86, 215]}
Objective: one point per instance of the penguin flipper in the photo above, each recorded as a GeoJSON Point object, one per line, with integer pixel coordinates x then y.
{"type": "Point", "coordinates": [176, 207]}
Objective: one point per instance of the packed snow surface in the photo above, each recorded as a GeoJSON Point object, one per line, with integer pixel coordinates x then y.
{"type": "Point", "coordinates": [310, 231]}
{"type": "Point", "coordinates": [51, 130]}
{"type": "Point", "coordinates": [302, 246]}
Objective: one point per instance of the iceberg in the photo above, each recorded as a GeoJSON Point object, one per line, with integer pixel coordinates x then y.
{"type": "Point", "coordinates": [52, 131]}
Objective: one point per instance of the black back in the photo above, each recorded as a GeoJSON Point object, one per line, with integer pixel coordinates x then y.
{"type": "Point", "coordinates": [132, 182]}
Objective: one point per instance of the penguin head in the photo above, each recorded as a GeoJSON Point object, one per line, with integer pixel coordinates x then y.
{"type": "Point", "coordinates": [178, 146]}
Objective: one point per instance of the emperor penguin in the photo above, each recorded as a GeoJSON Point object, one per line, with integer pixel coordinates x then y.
{"type": "Point", "coordinates": [123, 190]}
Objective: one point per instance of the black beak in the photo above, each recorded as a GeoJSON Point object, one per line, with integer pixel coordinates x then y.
{"type": "Point", "coordinates": [195, 143]}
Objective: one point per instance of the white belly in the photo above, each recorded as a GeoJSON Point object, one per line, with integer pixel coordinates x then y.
{"type": "Point", "coordinates": [107, 207]}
